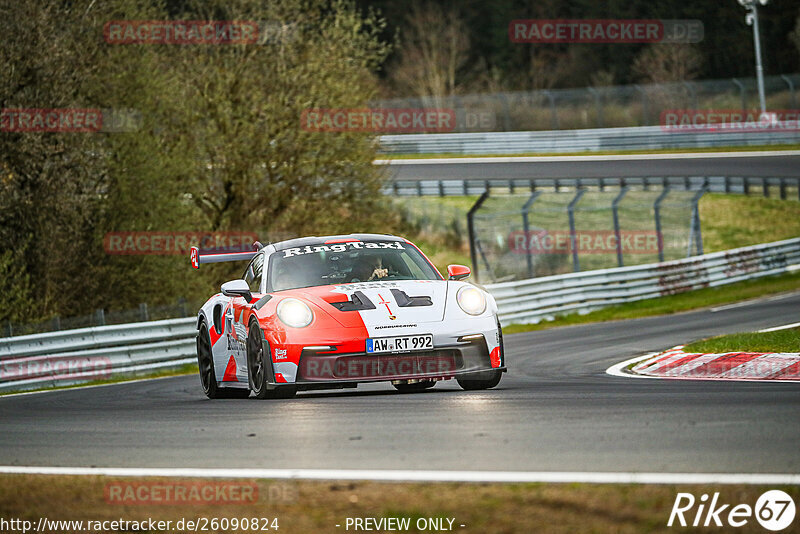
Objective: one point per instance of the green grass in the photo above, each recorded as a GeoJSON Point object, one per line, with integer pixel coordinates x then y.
{"type": "Point", "coordinates": [761, 148]}
{"type": "Point", "coordinates": [731, 221]}
{"type": "Point", "coordinates": [692, 300]}
{"type": "Point", "coordinates": [187, 369]}
{"type": "Point", "coordinates": [779, 341]}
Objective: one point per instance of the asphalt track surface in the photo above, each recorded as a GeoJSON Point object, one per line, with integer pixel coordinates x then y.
{"type": "Point", "coordinates": [556, 410]}
{"type": "Point", "coordinates": [599, 167]}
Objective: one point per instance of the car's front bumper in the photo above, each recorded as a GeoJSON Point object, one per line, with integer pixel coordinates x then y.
{"type": "Point", "coordinates": [439, 363]}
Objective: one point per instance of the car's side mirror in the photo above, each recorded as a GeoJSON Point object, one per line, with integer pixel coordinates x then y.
{"type": "Point", "coordinates": [457, 272]}
{"type": "Point", "coordinates": [237, 288]}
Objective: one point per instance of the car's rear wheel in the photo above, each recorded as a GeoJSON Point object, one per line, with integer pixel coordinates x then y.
{"type": "Point", "coordinates": [483, 380]}
{"type": "Point", "coordinates": [259, 366]}
{"type": "Point", "coordinates": [205, 364]}
{"type": "Point", "coordinates": [416, 387]}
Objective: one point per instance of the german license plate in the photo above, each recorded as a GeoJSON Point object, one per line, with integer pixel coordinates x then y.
{"type": "Point", "coordinates": [399, 343]}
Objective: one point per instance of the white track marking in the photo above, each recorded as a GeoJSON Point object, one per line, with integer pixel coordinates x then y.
{"type": "Point", "coordinates": [732, 306]}
{"type": "Point", "coordinates": [618, 369]}
{"type": "Point", "coordinates": [555, 477]}
{"type": "Point", "coordinates": [758, 300]}
{"type": "Point", "coordinates": [614, 157]}
{"type": "Point", "coordinates": [776, 328]}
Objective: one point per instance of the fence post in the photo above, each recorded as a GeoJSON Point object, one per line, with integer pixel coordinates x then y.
{"type": "Point", "coordinates": [458, 105]}
{"type": "Point", "coordinates": [745, 185]}
{"type": "Point", "coordinates": [791, 89]}
{"type": "Point", "coordinates": [573, 238]}
{"type": "Point", "coordinates": [506, 112]}
{"type": "Point", "coordinates": [9, 329]}
{"type": "Point", "coordinates": [615, 212]}
{"type": "Point", "coordinates": [657, 215]}
{"type": "Point", "coordinates": [598, 105]}
{"type": "Point", "coordinates": [645, 107]}
{"type": "Point", "coordinates": [693, 93]}
{"type": "Point", "coordinates": [553, 112]}
{"type": "Point", "coordinates": [742, 94]}
{"type": "Point", "coordinates": [526, 229]}
{"type": "Point", "coordinates": [473, 253]}
{"type": "Point", "coordinates": [56, 323]}
{"type": "Point", "coordinates": [182, 306]}
{"type": "Point", "coordinates": [696, 234]}
{"type": "Point", "coordinates": [143, 314]}
{"type": "Point", "coordinates": [100, 317]}
{"type": "Point", "coordinates": [765, 186]}
{"type": "Point", "coordinates": [783, 189]}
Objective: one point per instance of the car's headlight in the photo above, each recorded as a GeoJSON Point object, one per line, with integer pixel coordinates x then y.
{"type": "Point", "coordinates": [471, 300]}
{"type": "Point", "coordinates": [294, 313]}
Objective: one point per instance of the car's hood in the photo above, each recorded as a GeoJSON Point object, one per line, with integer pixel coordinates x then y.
{"type": "Point", "coordinates": [388, 304]}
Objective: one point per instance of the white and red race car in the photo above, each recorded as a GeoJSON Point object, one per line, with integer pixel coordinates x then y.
{"type": "Point", "coordinates": [333, 312]}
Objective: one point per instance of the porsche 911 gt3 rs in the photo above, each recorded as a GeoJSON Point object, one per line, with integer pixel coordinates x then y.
{"type": "Point", "coordinates": [336, 311]}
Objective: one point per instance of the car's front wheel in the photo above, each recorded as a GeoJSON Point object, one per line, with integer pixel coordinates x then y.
{"type": "Point", "coordinates": [259, 366]}
{"type": "Point", "coordinates": [205, 364]}
{"type": "Point", "coordinates": [483, 380]}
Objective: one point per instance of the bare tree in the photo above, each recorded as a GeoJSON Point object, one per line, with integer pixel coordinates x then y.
{"type": "Point", "coordinates": [660, 63]}
{"type": "Point", "coordinates": [795, 35]}
{"type": "Point", "coordinates": [434, 48]}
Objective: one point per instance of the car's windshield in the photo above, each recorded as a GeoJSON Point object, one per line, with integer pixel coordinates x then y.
{"type": "Point", "coordinates": [344, 263]}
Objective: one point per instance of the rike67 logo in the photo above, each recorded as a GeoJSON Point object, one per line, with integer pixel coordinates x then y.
{"type": "Point", "coordinates": [774, 510]}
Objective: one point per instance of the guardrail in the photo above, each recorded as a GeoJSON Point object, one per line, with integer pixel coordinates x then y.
{"type": "Point", "coordinates": [588, 140]}
{"type": "Point", "coordinates": [715, 184]}
{"type": "Point", "coordinates": [71, 357]}
{"type": "Point", "coordinates": [76, 356]}
{"type": "Point", "coordinates": [530, 301]}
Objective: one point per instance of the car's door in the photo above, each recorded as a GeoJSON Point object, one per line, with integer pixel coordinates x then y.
{"type": "Point", "coordinates": [236, 317]}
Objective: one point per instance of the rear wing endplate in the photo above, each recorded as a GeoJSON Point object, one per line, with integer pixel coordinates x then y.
{"type": "Point", "coordinates": [197, 258]}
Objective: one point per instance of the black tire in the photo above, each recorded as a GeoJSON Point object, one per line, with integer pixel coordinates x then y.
{"type": "Point", "coordinates": [259, 367]}
{"type": "Point", "coordinates": [416, 387]}
{"type": "Point", "coordinates": [208, 378]}
{"type": "Point", "coordinates": [483, 380]}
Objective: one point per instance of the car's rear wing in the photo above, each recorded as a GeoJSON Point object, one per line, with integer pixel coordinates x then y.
{"type": "Point", "coordinates": [197, 258]}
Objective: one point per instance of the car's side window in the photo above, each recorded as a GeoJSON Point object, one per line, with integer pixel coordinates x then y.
{"type": "Point", "coordinates": [253, 273]}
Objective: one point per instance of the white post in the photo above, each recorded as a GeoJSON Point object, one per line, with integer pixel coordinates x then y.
{"type": "Point", "coordinates": [752, 20]}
